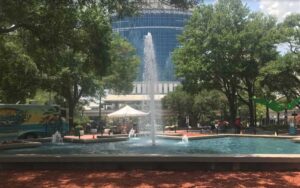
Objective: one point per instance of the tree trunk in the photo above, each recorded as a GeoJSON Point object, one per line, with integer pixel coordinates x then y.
{"type": "Point", "coordinates": [231, 95]}
{"type": "Point", "coordinates": [255, 116]}
{"type": "Point", "coordinates": [267, 116]}
{"type": "Point", "coordinates": [285, 117]}
{"type": "Point", "coordinates": [232, 109]}
{"type": "Point", "coordinates": [100, 108]}
{"type": "Point", "coordinates": [251, 103]}
{"type": "Point", "coordinates": [71, 114]}
{"type": "Point", "coordinates": [251, 112]}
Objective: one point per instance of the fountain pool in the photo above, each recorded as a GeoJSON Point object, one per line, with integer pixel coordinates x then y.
{"type": "Point", "coordinates": [143, 146]}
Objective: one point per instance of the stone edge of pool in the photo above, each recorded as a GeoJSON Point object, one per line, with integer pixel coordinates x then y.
{"type": "Point", "coordinates": [153, 162]}
{"type": "Point", "coordinates": [294, 138]}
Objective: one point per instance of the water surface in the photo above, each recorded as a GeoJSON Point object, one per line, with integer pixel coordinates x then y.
{"type": "Point", "coordinates": [226, 145]}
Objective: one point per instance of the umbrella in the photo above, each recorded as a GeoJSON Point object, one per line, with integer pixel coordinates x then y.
{"type": "Point", "coordinates": [127, 111]}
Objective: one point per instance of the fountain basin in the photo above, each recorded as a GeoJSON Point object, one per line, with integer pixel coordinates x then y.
{"type": "Point", "coordinates": [213, 144]}
{"type": "Point", "coordinates": [19, 144]}
{"type": "Point", "coordinates": [297, 140]}
{"type": "Point", "coordinates": [223, 153]}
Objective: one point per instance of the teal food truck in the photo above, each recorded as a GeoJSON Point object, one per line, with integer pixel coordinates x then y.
{"type": "Point", "coordinates": [23, 121]}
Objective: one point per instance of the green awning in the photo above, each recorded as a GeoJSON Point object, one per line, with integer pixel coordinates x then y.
{"type": "Point", "coordinates": [276, 106]}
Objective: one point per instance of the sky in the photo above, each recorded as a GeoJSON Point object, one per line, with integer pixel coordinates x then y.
{"type": "Point", "coordinates": [277, 8]}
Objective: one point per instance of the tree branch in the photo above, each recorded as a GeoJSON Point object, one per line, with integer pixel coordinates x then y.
{"type": "Point", "coordinates": [17, 26]}
{"type": "Point", "coordinates": [79, 95]}
{"type": "Point", "coordinates": [242, 99]}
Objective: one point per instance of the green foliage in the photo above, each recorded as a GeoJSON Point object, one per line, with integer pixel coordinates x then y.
{"type": "Point", "coordinates": [69, 44]}
{"type": "Point", "coordinates": [290, 30]}
{"type": "Point", "coordinates": [185, 4]}
{"type": "Point", "coordinates": [78, 52]}
{"type": "Point", "coordinates": [123, 69]}
{"type": "Point", "coordinates": [223, 47]}
{"type": "Point", "coordinates": [18, 72]}
{"type": "Point", "coordinates": [179, 102]}
{"type": "Point", "coordinates": [202, 107]}
{"type": "Point", "coordinates": [259, 43]}
{"type": "Point", "coordinates": [282, 75]}
{"type": "Point", "coordinates": [80, 121]}
{"type": "Point", "coordinates": [211, 54]}
{"type": "Point", "coordinates": [42, 97]}
{"type": "Point", "coordinates": [208, 105]}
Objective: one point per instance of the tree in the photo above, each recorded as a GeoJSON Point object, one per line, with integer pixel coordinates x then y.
{"type": "Point", "coordinates": [32, 14]}
{"type": "Point", "coordinates": [282, 74]}
{"type": "Point", "coordinates": [264, 92]}
{"type": "Point", "coordinates": [202, 107]}
{"type": "Point", "coordinates": [73, 49]}
{"type": "Point", "coordinates": [85, 54]}
{"type": "Point", "coordinates": [28, 14]}
{"type": "Point", "coordinates": [180, 103]}
{"type": "Point", "coordinates": [279, 76]}
{"type": "Point", "coordinates": [223, 47]}
{"type": "Point", "coordinates": [15, 65]}
{"type": "Point", "coordinates": [123, 69]}
{"type": "Point", "coordinates": [185, 4]}
{"type": "Point", "coordinates": [290, 29]}
{"type": "Point", "coordinates": [210, 50]}
{"type": "Point", "coordinates": [68, 41]}
{"type": "Point", "coordinates": [208, 105]}
{"type": "Point", "coordinates": [257, 43]}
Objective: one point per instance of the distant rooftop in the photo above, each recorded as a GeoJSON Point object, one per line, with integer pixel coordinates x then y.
{"type": "Point", "coordinates": [126, 98]}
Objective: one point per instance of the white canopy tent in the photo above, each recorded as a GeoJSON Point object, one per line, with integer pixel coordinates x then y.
{"type": "Point", "coordinates": [127, 111]}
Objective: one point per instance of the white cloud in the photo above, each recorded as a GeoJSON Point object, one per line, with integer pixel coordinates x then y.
{"type": "Point", "coordinates": [280, 8]}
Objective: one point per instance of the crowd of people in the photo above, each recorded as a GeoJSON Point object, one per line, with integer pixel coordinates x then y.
{"type": "Point", "coordinates": [222, 125]}
{"type": "Point", "coordinates": [215, 126]}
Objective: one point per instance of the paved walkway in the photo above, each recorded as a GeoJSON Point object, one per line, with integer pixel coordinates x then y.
{"type": "Point", "coordinates": [147, 179]}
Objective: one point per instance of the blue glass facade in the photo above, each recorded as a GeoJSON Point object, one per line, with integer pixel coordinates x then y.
{"type": "Point", "coordinates": [165, 26]}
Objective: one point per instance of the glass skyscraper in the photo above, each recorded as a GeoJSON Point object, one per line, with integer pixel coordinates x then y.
{"type": "Point", "coordinates": [165, 24]}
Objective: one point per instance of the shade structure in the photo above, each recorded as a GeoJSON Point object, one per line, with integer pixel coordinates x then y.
{"type": "Point", "coordinates": [127, 111]}
{"type": "Point", "coordinates": [276, 106]}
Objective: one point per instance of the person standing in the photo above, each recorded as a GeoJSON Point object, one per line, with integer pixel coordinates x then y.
{"type": "Point", "coordinates": [217, 126]}
{"type": "Point", "coordinates": [238, 125]}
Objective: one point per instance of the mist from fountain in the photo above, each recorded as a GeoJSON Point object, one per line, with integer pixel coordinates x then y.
{"type": "Point", "coordinates": [131, 133]}
{"type": "Point", "coordinates": [185, 139]}
{"type": "Point", "coordinates": [57, 138]}
{"type": "Point", "coordinates": [151, 81]}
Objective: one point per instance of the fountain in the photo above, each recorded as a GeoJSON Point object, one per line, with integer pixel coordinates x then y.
{"type": "Point", "coordinates": [131, 133]}
{"type": "Point", "coordinates": [185, 139]}
{"type": "Point", "coordinates": [56, 138]}
{"type": "Point", "coordinates": [150, 79]}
